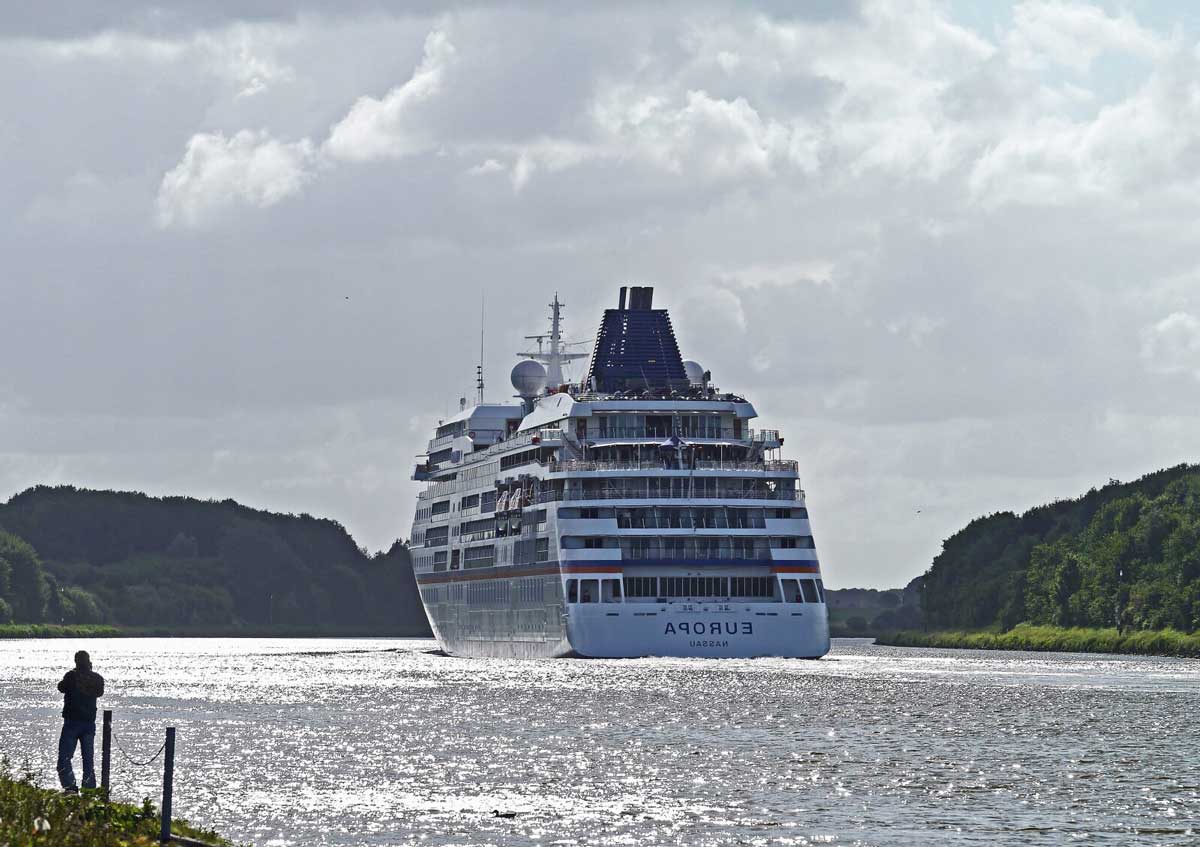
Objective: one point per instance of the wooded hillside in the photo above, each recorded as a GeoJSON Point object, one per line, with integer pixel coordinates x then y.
{"type": "Point", "coordinates": [72, 555]}
{"type": "Point", "coordinates": [1126, 555]}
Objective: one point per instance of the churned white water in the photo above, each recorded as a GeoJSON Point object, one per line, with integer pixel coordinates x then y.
{"type": "Point", "coordinates": [346, 742]}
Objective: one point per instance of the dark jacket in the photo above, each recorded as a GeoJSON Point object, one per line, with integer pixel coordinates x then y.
{"type": "Point", "coordinates": [80, 689]}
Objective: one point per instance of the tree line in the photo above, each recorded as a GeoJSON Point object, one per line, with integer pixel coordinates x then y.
{"type": "Point", "coordinates": [70, 555]}
{"type": "Point", "coordinates": [1126, 555]}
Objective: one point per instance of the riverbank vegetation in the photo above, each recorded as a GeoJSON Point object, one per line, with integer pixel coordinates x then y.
{"type": "Point", "coordinates": [1124, 557]}
{"type": "Point", "coordinates": [33, 815]}
{"type": "Point", "coordinates": [172, 565]}
{"type": "Point", "coordinates": [52, 630]}
{"type": "Point", "coordinates": [79, 631]}
{"type": "Point", "coordinates": [1167, 642]}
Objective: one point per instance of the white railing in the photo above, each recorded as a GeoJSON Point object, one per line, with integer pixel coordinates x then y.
{"type": "Point", "coordinates": [778, 465]}
{"type": "Point", "coordinates": [642, 494]}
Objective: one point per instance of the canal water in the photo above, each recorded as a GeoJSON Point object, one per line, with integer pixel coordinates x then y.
{"type": "Point", "coordinates": [372, 742]}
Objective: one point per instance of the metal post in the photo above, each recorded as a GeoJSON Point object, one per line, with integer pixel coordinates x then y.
{"type": "Point", "coordinates": [164, 834]}
{"type": "Point", "coordinates": [105, 753]}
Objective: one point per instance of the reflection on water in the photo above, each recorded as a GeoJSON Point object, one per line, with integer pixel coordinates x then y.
{"type": "Point", "coordinates": [381, 742]}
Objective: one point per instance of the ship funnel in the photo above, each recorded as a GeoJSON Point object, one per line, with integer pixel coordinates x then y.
{"type": "Point", "coordinates": [641, 298]}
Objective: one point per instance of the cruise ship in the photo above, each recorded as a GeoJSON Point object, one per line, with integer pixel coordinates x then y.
{"type": "Point", "coordinates": [634, 512]}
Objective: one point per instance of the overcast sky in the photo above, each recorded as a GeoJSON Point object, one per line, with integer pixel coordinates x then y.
{"type": "Point", "coordinates": [951, 253]}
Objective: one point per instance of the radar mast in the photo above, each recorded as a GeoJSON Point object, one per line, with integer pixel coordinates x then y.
{"type": "Point", "coordinates": [553, 358]}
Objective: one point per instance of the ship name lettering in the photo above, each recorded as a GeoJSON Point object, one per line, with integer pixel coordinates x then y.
{"type": "Point", "coordinates": [713, 628]}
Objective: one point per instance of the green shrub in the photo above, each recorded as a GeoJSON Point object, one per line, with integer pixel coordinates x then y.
{"type": "Point", "coordinates": [1165, 642]}
{"type": "Point", "coordinates": [82, 820]}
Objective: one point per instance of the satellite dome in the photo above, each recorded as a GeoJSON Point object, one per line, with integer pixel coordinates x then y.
{"type": "Point", "coordinates": [694, 371]}
{"type": "Point", "coordinates": [529, 378]}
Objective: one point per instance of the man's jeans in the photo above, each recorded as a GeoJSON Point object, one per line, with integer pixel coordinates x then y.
{"type": "Point", "coordinates": [85, 733]}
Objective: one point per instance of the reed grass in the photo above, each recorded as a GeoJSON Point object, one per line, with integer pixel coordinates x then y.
{"type": "Point", "coordinates": [53, 630]}
{"type": "Point", "coordinates": [1165, 642]}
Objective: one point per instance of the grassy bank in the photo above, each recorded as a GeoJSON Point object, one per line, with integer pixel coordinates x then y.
{"type": "Point", "coordinates": [81, 821]}
{"type": "Point", "coordinates": [52, 630]}
{"type": "Point", "coordinates": [1166, 642]}
{"type": "Point", "coordinates": [40, 630]}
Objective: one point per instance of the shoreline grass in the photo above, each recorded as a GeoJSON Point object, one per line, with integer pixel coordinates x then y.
{"type": "Point", "coordinates": [46, 630]}
{"type": "Point", "coordinates": [1166, 642]}
{"type": "Point", "coordinates": [30, 814]}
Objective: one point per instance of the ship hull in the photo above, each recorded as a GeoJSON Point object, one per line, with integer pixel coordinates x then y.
{"type": "Point", "coordinates": [713, 630]}
{"type": "Point", "coordinates": [510, 624]}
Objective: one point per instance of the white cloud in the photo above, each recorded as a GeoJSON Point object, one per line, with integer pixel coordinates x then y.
{"type": "Point", "coordinates": [241, 55]}
{"type": "Point", "coordinates": [217, 173]}
{"type": "Point", "coordinates": [487, 166]}
{"type": "Point", "coordinates": [392, 127]}
{"type": "Point", "coordinates": [244, 57]}
{"type": "Point", "coordinates": [702, 136]}
{"type": "Point", "coordinates": [1172, 345]}
{"type": "Point", "coordinates": [918, 247]}
{"type": "Point", "coordinates": [1145, 142]}
{"type": "Point", "coordinates": [1074, 34]}
{"type": "Point", "coordinates": [522, 170]}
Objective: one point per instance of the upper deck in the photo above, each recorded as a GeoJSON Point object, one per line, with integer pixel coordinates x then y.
{"type": "Point", "coordinates": [662, 469]}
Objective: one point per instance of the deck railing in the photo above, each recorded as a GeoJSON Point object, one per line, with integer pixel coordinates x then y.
{"type": "Point", "coordinates": [643, 494]}
{"type": "Point", "coordinates": [576, 465]}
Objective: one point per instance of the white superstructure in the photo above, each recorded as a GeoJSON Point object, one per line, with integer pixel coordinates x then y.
{"type": "Point", "coordinates": [634, 513]}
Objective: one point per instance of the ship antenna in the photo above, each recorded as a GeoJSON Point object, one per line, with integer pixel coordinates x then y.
{"type": "Point", "coordinates": [479, 367]}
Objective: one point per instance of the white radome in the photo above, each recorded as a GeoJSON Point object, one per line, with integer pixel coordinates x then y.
{"type": "Point", "coordinates": [528, 378]}
{"type": "Point", "coordinates": [694, 371]}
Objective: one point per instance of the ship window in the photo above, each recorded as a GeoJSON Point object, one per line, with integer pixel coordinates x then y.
{"type": "Point", "coordinates": [441, 507]}
{"type": "Point", "coordinates": [821, 590]}
{"type": "Point", "coordinates": [542, 550]}
{"type": "Point", "coordinates": [791, 591]}
{"type": "Point", "coordinates": [751, 586]}
{"type": "Point", "coordinates": [480, 557]}
{"type": "Point", "coordinates": [611, 591]}
{"type": "Point", "coordinates": [456, 428]}
{"type": "Point", "coordinates": [641, 586]}
{"type": "Point", "coordinates": [695, 586]}
{"type": "Point", "coordinates": [589, 590]}
{"type": "Point", "coordinates": [487, 501]}
{"type": "Point", "coordinates": [810, 591]}
{"type": "Point", "coordinates": [572, 591]}
{"type": "Point", "coordinates": [589, 514]}
{"type": "Point", "coordinates": [469, 502]}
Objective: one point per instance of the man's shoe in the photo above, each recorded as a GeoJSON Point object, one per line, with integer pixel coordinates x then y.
{"type": "Point", "coordinates": [71, 790]}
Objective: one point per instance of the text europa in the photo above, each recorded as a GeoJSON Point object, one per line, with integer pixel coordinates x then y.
{"type": "Point", "coordinates": [713, 628]}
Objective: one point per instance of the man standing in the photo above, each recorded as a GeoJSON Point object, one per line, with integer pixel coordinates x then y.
{"type": "Point", "coordinates": [80, 688]}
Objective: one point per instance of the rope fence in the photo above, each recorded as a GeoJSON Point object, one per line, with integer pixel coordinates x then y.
{"type": "Point", "coordinates": [130, 759]}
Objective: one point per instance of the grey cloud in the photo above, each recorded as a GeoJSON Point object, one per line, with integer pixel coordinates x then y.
{"type": "Point", "coordinates": [923, 341]}
{"type": "Point", "coordinates": [59, 19]}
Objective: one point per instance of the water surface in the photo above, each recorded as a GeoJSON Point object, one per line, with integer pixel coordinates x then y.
{"type": "Point", "coordinates": [347, 742]}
